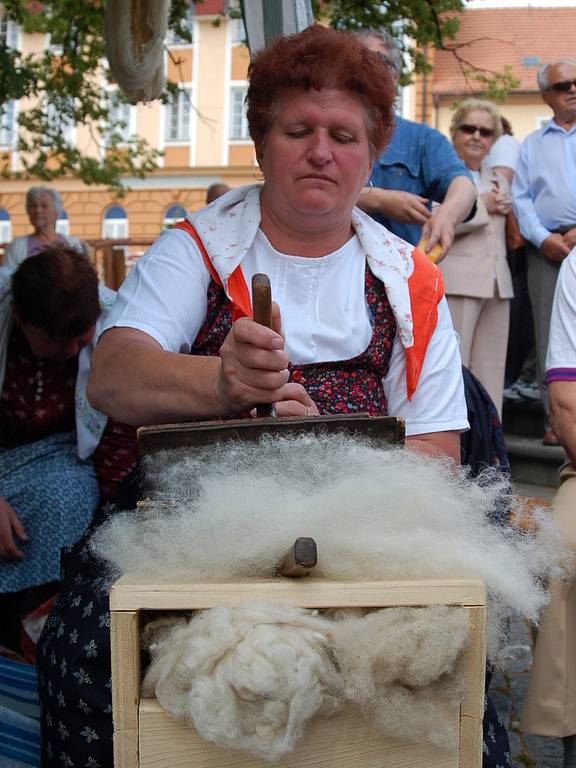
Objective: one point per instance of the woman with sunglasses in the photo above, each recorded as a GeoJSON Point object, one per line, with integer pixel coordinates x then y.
{"type": "Point", "coordinates": [477, 278]}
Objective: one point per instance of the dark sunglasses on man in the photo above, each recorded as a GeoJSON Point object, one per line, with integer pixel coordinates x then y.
{"type": "Point", "coordinates": [470, 130]}
{"type": "Point", "coordinates": [562, 87]}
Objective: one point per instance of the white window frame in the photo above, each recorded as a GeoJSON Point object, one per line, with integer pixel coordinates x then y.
{"type": "Point", "coordinates": [114, 229]}
{"type": "Point", "coordinates": [238, 122]}
{"type": "Point", "coordinates": [49, 110]}
{"type": "Point", "coordinates": [5, 230]}
{"type": "Point", "coordinates": [56, 49]}
{"type": "Point", "coordinates": [8, 30]}
{"type": "Point", "coordinates": [62, 226]}
{"type": "Point", "coordinates": [173, 41]}
{"type": "Point", "coordinates": [168, 222]}
{"type": "Point", "coordinates": [183, 108]}
{"type": "Point", "coordinates": [237, 32]}
{"type": "Point", "coordinates": [8, 124]}
{"type": "Point", "coordinates": [128, 117]}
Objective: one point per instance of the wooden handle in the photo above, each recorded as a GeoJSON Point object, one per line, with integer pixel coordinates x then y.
{"type": "Point", "coordinates": [262, 313]}
{"type": "Point", "coordinates": [262, 300]}
{"type": "Point", "coordinates": [300, 559]}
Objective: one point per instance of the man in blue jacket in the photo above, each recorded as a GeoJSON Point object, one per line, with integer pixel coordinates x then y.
{"type": "Point", "coordinates": [418, 167]}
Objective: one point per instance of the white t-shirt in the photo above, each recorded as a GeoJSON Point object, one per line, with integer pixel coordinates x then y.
{"type": "Point", "coordinates": [561, 357]}
{"type": "Point", "coordinates": [505, 152]}
{"type": "Point", "coordinates": [324, 311]}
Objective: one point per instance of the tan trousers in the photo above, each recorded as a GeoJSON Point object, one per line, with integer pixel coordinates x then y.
{"type": "Point", "coordinates": [482, 325]}
{"type": "Point", "coordinates": [550, 704]}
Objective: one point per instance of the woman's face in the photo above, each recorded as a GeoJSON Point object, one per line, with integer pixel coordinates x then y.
{"type": "Point", "coordinates": [474, 137]}
{"type": "Point", "coordinates": [316, 157]}
{"type": "Point", "coordinates": [44, 347]}
{"type": "Point", "coordinates": [41, 212]}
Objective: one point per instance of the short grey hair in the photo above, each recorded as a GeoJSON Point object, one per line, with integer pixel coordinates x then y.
{"type": "Point", "coordinates": [35, 192]}
{"type": "Point", "coordinates": [542, 75]}
{"type": "Point", "coordinates": [389, 42]}
{"type": "Point", "coordinates": [470, 105]}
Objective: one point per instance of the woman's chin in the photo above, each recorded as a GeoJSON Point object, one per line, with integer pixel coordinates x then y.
{"type": "Point", "coordinates": [315, 203]}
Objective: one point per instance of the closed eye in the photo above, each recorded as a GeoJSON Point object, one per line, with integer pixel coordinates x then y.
{"type": "Point", "coordinates": [343, 138]}
{"type": "Point", "coordinates": [299, 133]}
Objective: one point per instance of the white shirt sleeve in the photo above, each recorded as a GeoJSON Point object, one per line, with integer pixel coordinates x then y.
{"type": "Point", "coordinates": [438, 404]}
{"type": "Point", "coordinates": [562, 339]}
{"type": "Point", "coordinates": [504, 152]}
{"type": "Point", "coordinates": [165, 295]}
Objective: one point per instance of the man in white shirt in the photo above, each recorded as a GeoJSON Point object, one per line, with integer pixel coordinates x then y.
{"type": "Point", "coordinates": [550, 705]}
{"type": "Point", "coordinates": [544, 197]}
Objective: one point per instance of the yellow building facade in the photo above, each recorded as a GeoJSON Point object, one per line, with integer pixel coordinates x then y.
{"type": "Point", "coordinates": [203, 136]}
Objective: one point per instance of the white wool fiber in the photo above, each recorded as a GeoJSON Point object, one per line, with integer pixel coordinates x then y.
{"type": "Point", "coordinates": [231, 511]}
{"type": "Point", "coordinates": [250, 678]}
{"type": "Point", "coordinates": [247, 678]}
{"type": "Point", "coordinates": [400, 666]}
{"type": "Point", "coordinates": [156, 631]}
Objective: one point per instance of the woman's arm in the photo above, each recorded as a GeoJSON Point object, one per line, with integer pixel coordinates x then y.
{"type": "Point", "coordinates": [436, 444]}
{"type": "Point", "coordinates": [456, 206]}
{"type": "Point", "coordinates": [137, 382]}
{"type": "Point", "coordinates": [562, 395]}
{"type": "Point", "coordinates": [396, 204]}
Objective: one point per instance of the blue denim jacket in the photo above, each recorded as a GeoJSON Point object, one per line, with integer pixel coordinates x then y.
{"type": "Point", "coordinates": [418, 159]}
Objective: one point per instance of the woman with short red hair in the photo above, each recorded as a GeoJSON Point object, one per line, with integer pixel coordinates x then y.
{"type": "Point", "coordinates": [360, 322]}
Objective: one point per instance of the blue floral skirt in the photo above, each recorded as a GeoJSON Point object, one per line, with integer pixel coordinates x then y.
{"type": "Point", "coordinates": [55, 496]}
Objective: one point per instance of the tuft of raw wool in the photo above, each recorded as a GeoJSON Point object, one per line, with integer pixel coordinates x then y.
{"type": "Point", "coordinates": [251, 678]}
{"type": "Point", "coordinates": [156, 631]}
{"type": "Point", "coordinates": [400, 667]}
{"type": "Point", "coordinates": [231, 511]}
{"type": "Point", "coordinates": [247, 678]}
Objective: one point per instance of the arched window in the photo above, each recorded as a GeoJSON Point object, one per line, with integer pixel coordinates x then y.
{"type": "Point", "coordinates": [115, 224]}
{"type": "Point", "coordinates": [5, 226]}
{"type": "Point", "coordinates": [173, 215]}
{"type": "Point", "coordinates": [62, 224]}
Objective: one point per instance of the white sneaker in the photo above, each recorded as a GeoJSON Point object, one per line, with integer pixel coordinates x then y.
{"type": "Point", "coordinates": [511, 394]}
{"type": "Point", "coordinates": [529, 390]}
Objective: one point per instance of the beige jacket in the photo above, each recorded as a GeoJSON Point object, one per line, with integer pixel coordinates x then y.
{"type": "Point", "coordinates": [477, 263]}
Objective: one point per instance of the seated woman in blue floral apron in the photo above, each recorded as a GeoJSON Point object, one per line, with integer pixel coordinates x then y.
{"type": "Point", "coordinates": [58, 455]}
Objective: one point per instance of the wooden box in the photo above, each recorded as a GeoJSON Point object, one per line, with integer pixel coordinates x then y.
{"type": "Point", "coordinates": [147, 737]}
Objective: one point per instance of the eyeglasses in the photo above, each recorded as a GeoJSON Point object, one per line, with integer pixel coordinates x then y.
{"type": "Point", "coordinates": [562, 87]}
{"type": "Point", "coordinates": [470, 130]}
{"type": "Point", "coordinates": [387, 60]}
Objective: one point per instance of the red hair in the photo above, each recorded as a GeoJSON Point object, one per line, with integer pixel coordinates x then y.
{"type": "Point", "coordinates": [317, 58]}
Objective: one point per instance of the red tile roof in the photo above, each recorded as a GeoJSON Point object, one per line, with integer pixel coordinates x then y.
{"type": "Point", "coordinates": [209, 7]}
{"type": "Point", "coordinates": [524, 37]}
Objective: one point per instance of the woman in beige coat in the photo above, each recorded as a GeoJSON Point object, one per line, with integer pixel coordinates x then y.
{"type": "Point", "coordinates": [476, 275]}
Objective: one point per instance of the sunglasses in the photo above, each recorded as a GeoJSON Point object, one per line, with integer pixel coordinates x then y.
{"type": "Point", "coordinates": [562, 87]}
{"type": "Point", "coordinates": [470, 130]}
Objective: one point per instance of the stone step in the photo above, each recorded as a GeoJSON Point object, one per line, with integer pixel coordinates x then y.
{"type": "Point", "coordinates": [534, 463]}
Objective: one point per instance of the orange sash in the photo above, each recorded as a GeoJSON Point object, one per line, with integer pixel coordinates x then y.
{"type": "Point", "coordinates": [425, 287]}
